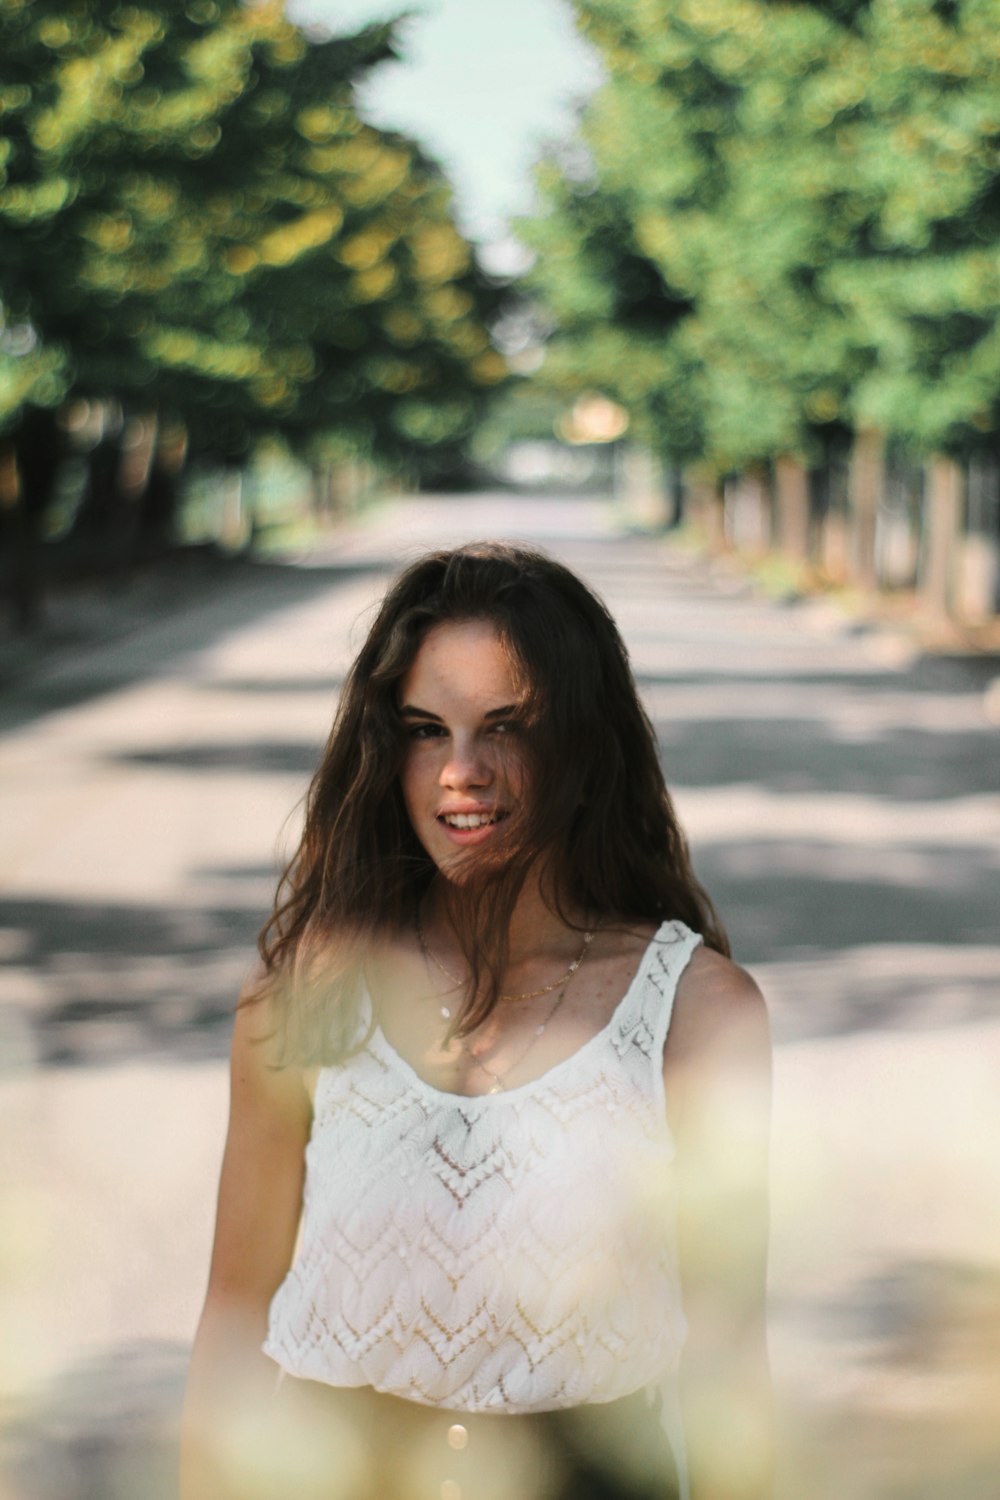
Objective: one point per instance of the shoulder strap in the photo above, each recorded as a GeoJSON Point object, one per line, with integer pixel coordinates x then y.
{"type": "Point", "coordinates": [645, 1020]}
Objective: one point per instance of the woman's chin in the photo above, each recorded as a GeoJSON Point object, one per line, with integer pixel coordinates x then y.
{"type": "Point", "coordinates": [455, 866]}
{"type": "Point", "coordinates": [459, 865]}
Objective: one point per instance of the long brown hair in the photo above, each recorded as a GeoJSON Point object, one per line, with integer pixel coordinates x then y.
{"type": "Point", "coordinates": [599, 811]}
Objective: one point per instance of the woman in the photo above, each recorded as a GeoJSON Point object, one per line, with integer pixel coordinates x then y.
{"type": "Point", "coordinates": [499, 1051]}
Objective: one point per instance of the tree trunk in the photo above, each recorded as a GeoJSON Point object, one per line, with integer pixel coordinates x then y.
{"type": "Point", "coordinates": [977, 589]}
{"type": "Point", "coordinates": [866, 479]}
{"type": "Point", "coordinates": [706, 507]}
{"type": "Point", "coordinates": [748, 511]}
{"type": "Point", "coordinates": [135, 466]}
{"type": "Point", "coordinates": [942, 521]}
{"type": "Point", "coordinates": [36, 457]}
{"type": "Point", "coordinates": [792, 495]}
{"type": "Point", "coordinates": [676, 496]}
{"type": "Point", "coordinates": [97, 535]}
{"type": "Point", "coordinates": [161, 498]}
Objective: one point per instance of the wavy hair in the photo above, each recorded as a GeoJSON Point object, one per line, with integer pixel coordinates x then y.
{"type": "Point", "coordinates": [599, 817]}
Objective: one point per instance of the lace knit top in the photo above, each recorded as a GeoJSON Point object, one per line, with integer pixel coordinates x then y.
{"type": "Point", "coordinates": [513, 1252]}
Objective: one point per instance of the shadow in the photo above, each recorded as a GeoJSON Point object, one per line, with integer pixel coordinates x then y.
{"type": "Point", "coordinates": [793, 897]}
{"type": "Point", "coordinates": [875, 682]}
{"type": "Point", "coordinates": [968, 671]}
{"type": "Point", "coordinates": [918, 1420]}
{"type": "Point", "coordinates": [105, 984]}
{"type": "Point", "coordinates": [942, 1314]}
{"type": "Point", "coordinates": [800, 755]}
{"type": "Point", "coordinates": [233, 755]}
{"type": "Point", "coordinates": [118, 639]}
{"type": "Point", "coordinates": [245, 874]}
{"type": "Point", "coordinates": [106, 1429]}
{"type": "Point", "coordinates": [114, 983]}
{"type": "Point", "coordinates": [802, 1008]}
{"type": "Point", "coordinates": [329, 686]}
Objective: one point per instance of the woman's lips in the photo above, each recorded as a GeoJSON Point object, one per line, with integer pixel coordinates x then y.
{"type": "Point", "coordinates": [470, 828]}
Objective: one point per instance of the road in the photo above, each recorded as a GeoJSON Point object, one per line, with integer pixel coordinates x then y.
{"type": "Point", "coordinates": [842, 795]}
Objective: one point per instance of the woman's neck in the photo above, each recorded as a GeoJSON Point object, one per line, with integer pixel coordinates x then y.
{"type": "Point", "coordinates": [535, 929]}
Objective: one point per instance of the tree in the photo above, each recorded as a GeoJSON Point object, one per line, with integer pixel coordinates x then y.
{"type": "Point", "coordinates": [691, 146]}
{"type": "Point", "coordinates": [923, 279]}
{"type": "Point", "coordinates": [198, 225]}
{"type": "Point", "coordinates": [818, 182]}
{"type": "Point", "coordinates": [615, 317]}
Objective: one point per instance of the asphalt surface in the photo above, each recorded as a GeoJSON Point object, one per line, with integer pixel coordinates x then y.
{"type": "Point", "coordinates": [842, 795]}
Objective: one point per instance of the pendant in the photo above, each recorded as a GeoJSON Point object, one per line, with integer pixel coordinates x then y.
{"type": "Point", "coordinates": [497, 1088]}
{"type": "Point", "coordinates": [445, 1013]}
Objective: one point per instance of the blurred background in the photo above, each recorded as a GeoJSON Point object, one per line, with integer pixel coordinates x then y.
{"type": "Point", "coordinates": [705, 298]}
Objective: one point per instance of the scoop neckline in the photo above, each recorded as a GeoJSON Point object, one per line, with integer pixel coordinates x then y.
{"type": "Point", "coordinates": [396, 1059]}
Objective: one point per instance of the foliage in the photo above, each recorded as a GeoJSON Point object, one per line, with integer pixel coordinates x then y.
{"type": "Point", "coordinates": [195, 220]}
{"type": "Point", "coordinates": [813, 190]}
{"type": "Point", "coordinates": [614, 314]}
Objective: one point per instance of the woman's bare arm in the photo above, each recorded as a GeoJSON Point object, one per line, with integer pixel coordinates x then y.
{"type": "Point", "coordinates": [260, 1197]}
{"type": "Point", "coordinates": [718, 1072]}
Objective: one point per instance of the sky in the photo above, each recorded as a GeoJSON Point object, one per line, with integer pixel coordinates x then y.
{"type": "Point", "coordinates": [485, 83]}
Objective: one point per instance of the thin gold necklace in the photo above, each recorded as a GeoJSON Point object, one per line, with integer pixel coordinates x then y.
{"type": "Point", "coordinates": [498, 1086]}
{"type": "Point", "coordinates": [546, 989]}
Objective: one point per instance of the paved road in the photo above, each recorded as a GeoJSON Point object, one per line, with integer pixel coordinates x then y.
{"type": "Point", "coordinates": [842, 799]}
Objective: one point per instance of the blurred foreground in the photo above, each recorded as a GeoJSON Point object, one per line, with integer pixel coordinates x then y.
{"type": "Point", "coordinates": [841, 797]}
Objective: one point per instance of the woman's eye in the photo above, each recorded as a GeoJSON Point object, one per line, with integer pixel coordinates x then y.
{"type": "Point", "coordinates": [424, 731]}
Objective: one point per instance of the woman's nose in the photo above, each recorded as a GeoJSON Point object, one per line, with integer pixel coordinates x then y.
{"type": "Point", "coordinates": [466, 767]}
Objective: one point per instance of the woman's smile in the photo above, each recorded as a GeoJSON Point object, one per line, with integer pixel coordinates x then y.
{"type": "Point", "coordinates": [473, 827]}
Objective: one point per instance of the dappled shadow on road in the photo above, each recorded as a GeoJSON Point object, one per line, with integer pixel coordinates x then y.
{"type": "Point", "coordinates": [777, 755]}
{"type": "Point", "coordinates": [805, 674]}
{"type": "Point", "coordinates": [802, 755]}
{"type": "Point", "coordinates": [329, 685]}
{"type": "Point", "coordinates": [922, 1340]}
{"type": "Point", "coordinates": [231, 756]}
{"type": "Point", "coordinates": [105, 984]}
{"type": "Point", "coordinates": [944, 672]}
{"type": "Point", "coordinates": [769, 756]}
{"type": "Point", "coordinates": [109, 983]}
{"type": "Point", "coordinates": [105, 1430]}
{"type": "Point", "coordinates": [146, 631]}
{"type": "Point", "coordinates": [931, 1314]}
{"type": "Point", "coordinates": [889, 988]}
{"type": "Point", "coordinates": [785, 896]}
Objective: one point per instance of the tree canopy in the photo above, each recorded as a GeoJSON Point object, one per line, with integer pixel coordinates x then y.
{"type": "Point", "coordinates": [195, 220]}
{"type": "Point", "coordinates": [781, 220]}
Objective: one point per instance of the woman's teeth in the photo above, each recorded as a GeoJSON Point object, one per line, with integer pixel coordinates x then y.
{"type": "Point", "coordinates": [469, 820]}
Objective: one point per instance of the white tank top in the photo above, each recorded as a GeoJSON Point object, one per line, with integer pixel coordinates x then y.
{"type": "Point", "coordinates": [514, 1252]}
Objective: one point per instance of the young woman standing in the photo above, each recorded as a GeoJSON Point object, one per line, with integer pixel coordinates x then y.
{"type": "Point", "coordinates": [492, 1218]}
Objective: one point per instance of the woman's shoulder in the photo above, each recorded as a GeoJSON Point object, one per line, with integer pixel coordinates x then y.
{"type": "Point", "coordinates": [264, 1084]}
{"type": "Point", "coordinates": [718, 1010]}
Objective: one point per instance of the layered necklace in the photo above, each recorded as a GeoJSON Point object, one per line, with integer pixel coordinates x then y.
{"type": "Point", "coordinates": [497, 1083]}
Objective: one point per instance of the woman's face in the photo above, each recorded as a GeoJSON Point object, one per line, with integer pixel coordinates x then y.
{"type": "Point", "coordinates": [463, 773]}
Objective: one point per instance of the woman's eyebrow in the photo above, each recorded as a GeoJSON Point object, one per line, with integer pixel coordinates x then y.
{"type": "Point", "coordinates": [411, 711]}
